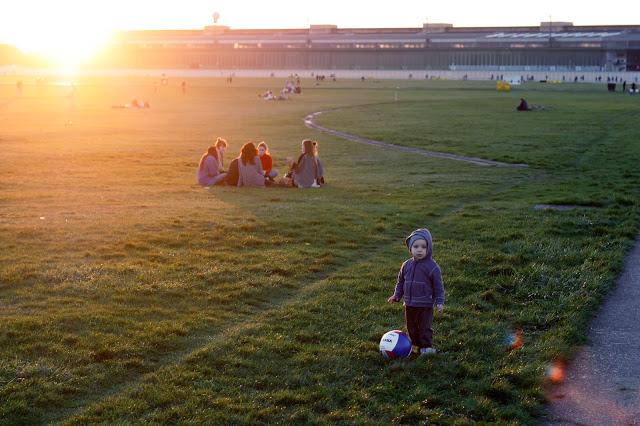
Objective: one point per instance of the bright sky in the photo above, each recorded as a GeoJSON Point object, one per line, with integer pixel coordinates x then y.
{"type": "Point", "coordinates": [71, 30]}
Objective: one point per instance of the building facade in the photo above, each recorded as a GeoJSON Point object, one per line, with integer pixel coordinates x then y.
{"type": "Point", "coordinates": [553, 46]}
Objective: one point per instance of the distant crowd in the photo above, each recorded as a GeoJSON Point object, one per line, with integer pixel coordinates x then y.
{"type": "Point", "coordinates": [254, 167]}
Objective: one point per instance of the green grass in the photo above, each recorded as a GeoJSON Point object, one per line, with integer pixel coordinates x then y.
{"type": "Point", "coordinates": [131, 295]}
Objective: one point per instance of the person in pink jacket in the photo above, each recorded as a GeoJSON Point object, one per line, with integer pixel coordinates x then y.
{"type": "Point", "coordinates": [209, 168]}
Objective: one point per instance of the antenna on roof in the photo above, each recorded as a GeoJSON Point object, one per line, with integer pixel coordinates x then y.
{"type": "Point", "coordinates": [216, 16]}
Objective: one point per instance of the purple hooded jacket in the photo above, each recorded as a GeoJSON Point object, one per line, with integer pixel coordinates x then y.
{"type": "Point", "coordinates": [420, 281]}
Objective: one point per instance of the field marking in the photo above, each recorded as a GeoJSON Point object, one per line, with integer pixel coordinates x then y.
{"type": "Point", "coordinates": [310, 122]}
{"type": "Point", "coordinates": [562, 207]}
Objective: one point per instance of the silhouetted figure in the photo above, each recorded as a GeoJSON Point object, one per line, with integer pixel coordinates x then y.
{"type": "Point", "coordinates": [233, 173]}
{"type": "Point", "coordinates": [624, 86]}
{"type": "Point", "coordinates": [19, 86]}
{"type": "Point", "coordinates": [183, 85]}
{"type": "Point", "coordinates": [523, 106]}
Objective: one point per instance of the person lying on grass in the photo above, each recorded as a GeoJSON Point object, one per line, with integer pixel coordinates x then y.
{"type": "Point", "coordinates": [420, 284]}
{"type": "Point", "coordinates": [250, 171]}
{"type": "Point", "coordinates": [307, 172]}
{"type": "Point", "coordinates": [267, 162]}
{"type": "Point", "coordinates": [209, 168]}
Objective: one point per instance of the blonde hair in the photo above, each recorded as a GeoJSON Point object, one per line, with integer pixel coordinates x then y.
{"type": "Point", "coordinates": [266, 148]}
{"type": "Point", "coordinates": [221, 142]}
{"type": "Point", "coordinates": [310, 147]}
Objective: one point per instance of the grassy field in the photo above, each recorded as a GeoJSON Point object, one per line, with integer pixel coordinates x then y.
{"type": "Point", "coordinates": [128, 294]}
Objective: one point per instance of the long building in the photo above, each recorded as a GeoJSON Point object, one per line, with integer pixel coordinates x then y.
{"type": "Point", "coordinates": [552, 46]}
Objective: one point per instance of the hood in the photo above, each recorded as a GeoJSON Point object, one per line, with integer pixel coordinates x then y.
{"type": "Point", "coordinates": [424, 234]}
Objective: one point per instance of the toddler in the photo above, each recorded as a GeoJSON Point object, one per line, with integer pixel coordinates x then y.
{"type": "Point", "coordinates": [420, 284]}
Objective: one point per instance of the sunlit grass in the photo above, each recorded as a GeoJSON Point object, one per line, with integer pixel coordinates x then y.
{"type": "Point", "coordinates": [130, 294]}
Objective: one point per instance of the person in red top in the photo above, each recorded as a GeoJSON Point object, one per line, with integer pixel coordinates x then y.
{"type": "Point", "coordinates": [267, 161]}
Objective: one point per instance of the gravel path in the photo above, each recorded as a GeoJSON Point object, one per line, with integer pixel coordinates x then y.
{"type": "Point", "coordinates": [310, 121]}
{"type": "Point", "coordinates": [602, 385]}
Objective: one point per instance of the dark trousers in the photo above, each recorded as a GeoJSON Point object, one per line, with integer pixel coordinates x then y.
{"type": "Point", "coordinates": [419, 322]}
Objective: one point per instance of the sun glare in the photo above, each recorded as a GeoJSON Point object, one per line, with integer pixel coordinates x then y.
{"type": "Point", "coordinates": [66, 48]}
{"type": "Point", "coordinates": [64, 33]}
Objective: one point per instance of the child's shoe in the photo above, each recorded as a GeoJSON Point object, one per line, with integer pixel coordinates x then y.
{"type": "Point", "coordinates": [427, 351]}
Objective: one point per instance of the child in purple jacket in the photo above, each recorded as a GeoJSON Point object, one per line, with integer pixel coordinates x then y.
{"type": "Point", "coordinates": [420, 284]}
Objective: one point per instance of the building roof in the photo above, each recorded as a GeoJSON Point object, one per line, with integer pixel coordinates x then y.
{"type": "Point", "coordinates": [331, 35]}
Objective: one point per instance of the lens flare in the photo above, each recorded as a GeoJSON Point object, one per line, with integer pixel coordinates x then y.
{"type": "Point", "coordinates": [556, 372]}
{"type": "Point", "coordinates": [514, 340]}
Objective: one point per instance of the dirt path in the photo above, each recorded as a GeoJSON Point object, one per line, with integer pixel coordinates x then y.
{"type": "Point", "coordinates": [602, 385]}
{"type": "Point", "coordinates": [310, 122]}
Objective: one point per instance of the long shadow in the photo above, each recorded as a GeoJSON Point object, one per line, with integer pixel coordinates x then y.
{"type": "Point", "coordinates": [202, 340]}
{"type": "Point", "coordinates": [281, 297]}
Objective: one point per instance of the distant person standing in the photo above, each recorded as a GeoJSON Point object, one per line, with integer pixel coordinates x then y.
{"type": "Point", "coordinates": [624, 86]}
{"type": "Point", "coordinates": [19, 87]}
{"type": "Point", "coordinates": [183, 85]}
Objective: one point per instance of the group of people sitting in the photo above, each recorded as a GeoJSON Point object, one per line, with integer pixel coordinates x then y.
{"type": "Point", "coordinates": [135, 103]}
{"type": "Point", "coordinates": [289, 88]}
{"type": "Point", "coordinates": [254, 167]}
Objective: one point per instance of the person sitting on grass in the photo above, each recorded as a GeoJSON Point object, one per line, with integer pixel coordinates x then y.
{"type": "Point", "coordinates": [523, 106]}
{"type": "Point", "coordinates": [249, 167]}
{"type": "Point", "coordinates": [267, 161]}
{"type": "Point", "coordinates": [307, 172]}
{"type": "Point", "coordinates": [221, 146]}
{"type": "Point", "coordinates": [232, 173]}
{"type": "Point", "coordinates": [420, 284]}
{"type": "Point", "coordinates": [209, 168]}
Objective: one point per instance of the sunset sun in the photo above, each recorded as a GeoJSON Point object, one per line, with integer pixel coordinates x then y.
{"type": "Point", "coordinates": [66, 46]}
